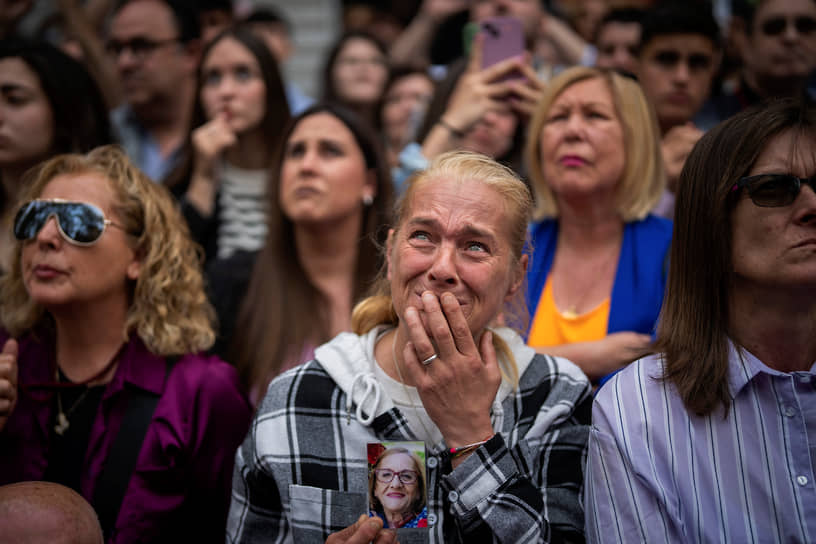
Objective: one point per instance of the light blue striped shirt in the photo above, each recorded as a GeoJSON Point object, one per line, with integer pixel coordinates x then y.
{"type": "Point", "coordinates": [656, 473]}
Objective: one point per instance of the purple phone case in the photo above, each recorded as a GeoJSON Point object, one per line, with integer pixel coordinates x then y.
{"type": "Point", "coordinates": [503, 38]}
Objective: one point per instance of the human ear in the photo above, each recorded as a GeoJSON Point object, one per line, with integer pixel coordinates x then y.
{"type": "Point", "coordinates": [519, 273]}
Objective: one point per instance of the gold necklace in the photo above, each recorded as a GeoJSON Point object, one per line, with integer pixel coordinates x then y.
{"type": "Point", "coordinates": [428, 433]}
{"type": "Point", "coordinates": [62, 417]}
{"type": "Point", "coordinates": [572, 309]}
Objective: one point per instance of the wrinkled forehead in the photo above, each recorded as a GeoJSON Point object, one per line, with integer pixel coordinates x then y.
{"type": "Point", "coordinates": [456, 195]}
{"type": "Point", "coordinates": [792, 151]}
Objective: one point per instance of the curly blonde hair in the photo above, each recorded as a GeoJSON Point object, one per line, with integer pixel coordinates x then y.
{"type": "Point", "coordinates": [169, 309]}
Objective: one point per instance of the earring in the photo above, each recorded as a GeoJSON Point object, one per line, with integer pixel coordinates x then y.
{"type": "Point", "coordinates": [368, 200]}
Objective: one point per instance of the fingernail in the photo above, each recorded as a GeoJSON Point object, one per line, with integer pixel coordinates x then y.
{"type": "Point", "coordinates": [373, 523]}
{"type": "Point", "coordinates": [448, 298]}
{"type": "Point", "coordinates": [427, 297]}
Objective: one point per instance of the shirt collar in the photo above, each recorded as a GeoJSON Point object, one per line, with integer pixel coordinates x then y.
{"type": "Point", "coordinates": [743, 367]}
{"type": "Point", "coordinates": [141, 368]}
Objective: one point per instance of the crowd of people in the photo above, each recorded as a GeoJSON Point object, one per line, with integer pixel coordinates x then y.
{"type": "Point", "coordinates": [520, 271]}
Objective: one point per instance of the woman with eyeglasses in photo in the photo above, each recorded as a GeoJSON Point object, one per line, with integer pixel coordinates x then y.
{"type": "Point", "coordinates": [103, 387]}
{"type": "Point", "coordinates": [238, 118]}
{"type": "Point", "coordinates": [49, 104]}
{"type": "Point", "coordinates": [396, 489]}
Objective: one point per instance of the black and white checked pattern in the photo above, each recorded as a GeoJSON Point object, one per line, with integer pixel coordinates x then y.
{"type": "Point", "coordinates": [301, 473]}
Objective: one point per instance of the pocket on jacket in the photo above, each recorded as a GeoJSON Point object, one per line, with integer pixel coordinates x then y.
{"type": "Point", "coordinates": [316, 513]}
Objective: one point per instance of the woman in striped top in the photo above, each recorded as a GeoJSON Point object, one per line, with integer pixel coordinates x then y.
{"type": "Point", "coordinates": [240, 113]}
{"type": "Point", "coordinates": [714, 439]}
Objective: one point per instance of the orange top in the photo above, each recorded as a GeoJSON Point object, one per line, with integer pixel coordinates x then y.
{"type": "Point", "coordinates": [551, 327]}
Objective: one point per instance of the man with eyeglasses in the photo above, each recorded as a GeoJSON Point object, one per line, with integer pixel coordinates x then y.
{"type": "Point", "coordinates": [776, 40]}
{"type": "Point", "coordinates": [678, 56]}
{"type": "Point", "coordinates": [155, 47]}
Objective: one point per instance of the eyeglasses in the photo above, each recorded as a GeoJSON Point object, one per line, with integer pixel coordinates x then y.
{"type": "Point", "coordinates": [774, 190]}
{"type": "Point", "coordinates": [140, 48]}
{"type": "Point", "coordinates": [775, 26]}
{"type": "Point", "coordinates": [79, 223]}
{"type": "Point", "coordinates": [386, 476]}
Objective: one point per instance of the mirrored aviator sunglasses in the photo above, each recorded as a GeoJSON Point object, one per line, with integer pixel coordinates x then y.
{"type": "Point", "coordinates": [774, 190]}
{"type": "Point", "coordinates": [79, 223]}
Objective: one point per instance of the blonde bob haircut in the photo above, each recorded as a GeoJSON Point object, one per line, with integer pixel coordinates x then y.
{"type": "Point", "coordinates": [644, 179]}
{"type": "Point", "coordinates": [462, 166]}
{"type": "Point", "coordinates": [169, 309]}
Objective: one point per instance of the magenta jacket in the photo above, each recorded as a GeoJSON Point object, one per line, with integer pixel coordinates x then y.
{"type": "Point", "coordinates": [180, 486]}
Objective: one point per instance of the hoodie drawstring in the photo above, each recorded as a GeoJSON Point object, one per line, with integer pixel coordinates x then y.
{"type": "Point", "coordinates": [369, 382]}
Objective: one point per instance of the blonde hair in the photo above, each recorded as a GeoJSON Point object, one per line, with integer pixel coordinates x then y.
{"type": "Point", "coordinates": [169, 309]}
{"type": "Point", "coordinates": [461, 166]}
{"type": "Point", "coordinates": [644, 178]}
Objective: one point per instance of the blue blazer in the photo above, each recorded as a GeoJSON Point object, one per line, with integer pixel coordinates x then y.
{"type": "Point", "coordinates": [640, 279]}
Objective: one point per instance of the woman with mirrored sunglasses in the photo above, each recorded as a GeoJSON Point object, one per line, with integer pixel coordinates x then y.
{"type": "Point", "coordinates": [49, 104]}
{"type": "Point", "coordinates": [711, 440]}
{"type": "Point", "coordinates": [103, 387]}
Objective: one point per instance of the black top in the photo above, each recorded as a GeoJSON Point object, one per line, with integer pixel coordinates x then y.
{"type": "Point", "coordinates": [66, 456]}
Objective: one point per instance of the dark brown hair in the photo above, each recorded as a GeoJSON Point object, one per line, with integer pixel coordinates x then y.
{"type": "Point", "coordinates": [283, 312]}
{"type": "Point", "coordinates": [693, 329]}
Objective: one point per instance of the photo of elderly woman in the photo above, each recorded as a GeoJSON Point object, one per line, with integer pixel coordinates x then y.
{"type": "Point", "coordinates": [396, 484]}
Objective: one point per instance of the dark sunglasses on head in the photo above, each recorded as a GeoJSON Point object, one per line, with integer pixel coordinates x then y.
{"type": "Point", "coordinates": [78, 222]}
{"type": "Point", "coordinates": [774, 190]}
{"type": "Point", "coordinates": [777, 25]}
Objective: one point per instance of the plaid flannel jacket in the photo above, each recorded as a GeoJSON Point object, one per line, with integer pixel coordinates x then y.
{"type": "Point", "coordinates": [301, 473]}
